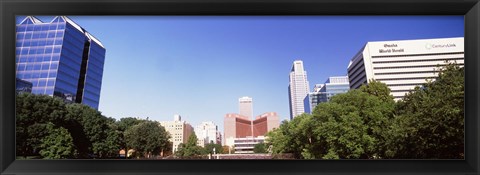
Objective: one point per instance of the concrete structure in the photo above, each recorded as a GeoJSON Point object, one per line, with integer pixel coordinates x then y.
{"type": "Point", "coordinates": [246, 145]}
{"type": "Point", "coordinates": [323, 92]}
{"type": "Point", "coordinates": [238, 126]}
{"type": "Point", "coordinates": [60, 58]}
{"type": "Point", "coordinates": [298, 88]}
{"type": "Point", "coordinates": [179, 131]}
{"type": "Point", "coordinates": [403, 64]}
{"type": "Point", "coordinates": [245, 106]}
{"type": "Point", "coordinates": [207, 132]}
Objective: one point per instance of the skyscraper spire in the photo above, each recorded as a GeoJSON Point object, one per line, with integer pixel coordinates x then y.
{"type": "Point", "coordinates": [298, 88]}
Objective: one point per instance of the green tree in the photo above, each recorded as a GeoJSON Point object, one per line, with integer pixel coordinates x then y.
{"type": "Point", "coordinates": [376, 111]}
{"type": "Point", "coordinates": [57, 144]}
{"type": "Point", "coordinates": [123, 125]}
{"type": "Point", "coordinates": [296, 136]}
{"type": "Point", "coordinates": [378, 89]}
{"type": "Point", "coordinates": [147, 138]}
{"type": "Point", "coordinates": [260, 148]}
{"type": "Point", "coordinates": [32, 113]}
{"type": "Point", "coordinates": [430, 121]}
{"type": "Point", "coordinates": [190, 149]}
{"type": "Point", "coordinates": [91, 133]}
{"type": "Point", "coordinates": [351, 125]}
{"type": "Point", "coordinates": [342, 132]}
{"type": "Point", "coordinates": [210, 146]}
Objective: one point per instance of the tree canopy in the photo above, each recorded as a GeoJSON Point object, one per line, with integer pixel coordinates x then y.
{"type": "Point", "coordinates": [41, 119]}
{"type": "Point", "coordinates": [367, 123]}
{"type": "Point", "coordinates": [147, 138]}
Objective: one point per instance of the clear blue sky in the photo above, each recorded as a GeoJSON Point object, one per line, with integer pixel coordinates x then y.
{"type": "Point", "coordinates": [198, 66]}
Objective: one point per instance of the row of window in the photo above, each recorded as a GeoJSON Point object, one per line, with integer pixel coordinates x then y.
{"type": "Point", "coordinates": [403, 67]}
{"type": "Point", "coordinates": [43, 90]}
{"type": "Point", "coordinates": [42, 82]}
{"type": "Point", "coordinates": [418, 60]}
{"type": "Point", "coordinates": [34, 74]}
{"type": "Point", "coordinates": [39, 42]}
{"type": "Point", "coordinates": [415, 72]}
{"type": "Point", "coordinates": [40, 27]}
{"type": "Point", "coordinates": [47, 50]}
{"type": "Point", "coordinates": [410, 78]}
{"type": "Point", "coordinates": [414, 55]}
{"type": "Point", "coordinates": [39, 35]}
{"type": "Point", "coordinates": [35, 66]}
{"type": "Point", "coordinates": [405, 84]}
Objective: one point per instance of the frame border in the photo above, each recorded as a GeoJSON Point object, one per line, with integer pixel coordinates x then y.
{"type": "Point", "coordinates": [9, 8]}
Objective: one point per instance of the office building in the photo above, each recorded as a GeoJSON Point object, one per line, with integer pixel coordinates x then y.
{"type": "Point", "coordinates": [323, 92]}
{"type": "Point", "coordinates": [298, 88]}
{"type": "Point", "coordinates": [207, 132]}
{"type": "Point", "coordinates": [245, 106]}
{"type": "Point", "coordinates": [403, 64]}
{"type": "Point", "coordinates": [246, 145]}
{"type": "Point", "coordinates": [179, 131]}
{"type": "Point", "coordinates": [238, 126]}
{"type": "Point", "coordinates": [60, 58]}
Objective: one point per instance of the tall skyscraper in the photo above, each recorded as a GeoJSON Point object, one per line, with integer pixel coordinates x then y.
{"type": "Point", "coordinates": [245, 106]}
{"type": "Point", "coordinates": [298, 88]}
{"type": "Point", "coordinates": [60, 58]}
{"type": "Point", "coordinates": [403, 64]}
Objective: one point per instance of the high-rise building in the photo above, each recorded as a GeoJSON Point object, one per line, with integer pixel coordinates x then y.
{"type": "Point", "coordinates": [298, 88]}
{"type": "Point", "coordinates": [323, 92]}
{"type": "Point", "coordinates": [403, 64]}
{"type": "Point", "coordinates": [245, 106]}
{"type": "Point", "coordinates": [60, 58]}
{"type": "Point", "coordinates": [179, 131]}
{"type": "Point", "coordinates": [207, 132]}
{"type": "Point", "coordinates": [239, 126]}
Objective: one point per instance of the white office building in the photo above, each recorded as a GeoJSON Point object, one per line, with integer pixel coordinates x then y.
{"type": "Point", "coordinates": [207, 132]}
{"type": "Point", "coordinates": [403, 64]}
{"type": "Point", "coordinates": [179, 131]}
{"type": "Point", "coordinates": [245, 106]}
{"type": "Point", "coordinates": [298, 88]}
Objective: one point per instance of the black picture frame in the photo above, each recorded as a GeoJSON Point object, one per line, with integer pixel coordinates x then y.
{"type": "Point", "coordinates": [10, 8]}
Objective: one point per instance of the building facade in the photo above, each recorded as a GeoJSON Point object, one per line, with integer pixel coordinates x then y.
{"type": "Point", "coordinates": [323, 92]}
{"type": "Point", "coordinates": [298, 88]}
{"type": "Point", "coordinates": [245, 106]}
{"type": "Point", "coordinates": [179, 131]}
{"type": "Point", "coordinates": [60, 58]}
{"type": "Point", "coordinates": [403, 64]}
{"type": "Point", "coordinates": [238, 126]}
{"type": "Point", "coordinates": [207, 132]}
{"type": "Point", "coordinates": [246, 145]}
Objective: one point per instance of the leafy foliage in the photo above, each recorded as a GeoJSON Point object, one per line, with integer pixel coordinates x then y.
{"type": "Point", "coordinates": [260, 148]}
{"type": "Point", "coordinates": [208, 149]}
{"type": "Point", "coordinates": [57, 144]}
{"type": "Point", "coordinates": [190, 149]}
{"type": "Point", "coordinates": [32, 113]}
{"type": "Point", "coordinates": [368, 124]}
{"type": "Point", "coordinates": [89, 130]}
{"type": "Point", "coordinates": [430, 121]}
{"type": "Point", "coordinates": [147, 138]}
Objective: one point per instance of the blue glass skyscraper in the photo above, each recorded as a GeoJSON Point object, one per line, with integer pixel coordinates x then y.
{"type": "Point", "coordinates": [60, 58]}
{"type": "Point", "coordinates": [323, 92]}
